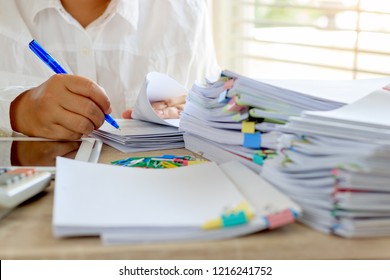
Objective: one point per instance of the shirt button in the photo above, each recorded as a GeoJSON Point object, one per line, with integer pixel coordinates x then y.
{"type": "Point", "coordinates": [86, 51]}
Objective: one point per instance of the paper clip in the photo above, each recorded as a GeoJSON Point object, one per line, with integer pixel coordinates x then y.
{"type": "Point", "coordinates": [232, 106]}
{"type": "Point", "coordinates": [252, 140]}
{"type": "Point", "coordinates": [167, 164]}
{"type": "Point", "coordinates": [241, 214]}
{"type": "Point", "coordinates": [141, 162]}
{"type": "Point", "coordinates": [248, 127]}
{"type": "Point", "coordinates": [174, 156]}
{"type": "Point", "coordinates": [228, 84]}
{"type": "Point", "coordinates": [258, 159]}
{"type": "Point", "coordinates": [180, 161]}
{"type": "Point", "coordinates": [280, 218]}
{"type": "Point", "coordinates": [157, 162]}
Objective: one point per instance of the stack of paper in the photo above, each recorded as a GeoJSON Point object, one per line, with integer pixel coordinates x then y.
{"type": "Point", "coordinates": [238, 117]}
{"type": "Point", "coordinates": [336, 166]}
{"type": "Point", "coordinates": [147, 131]}
{"type": "Point", "coordinates": [203, 201]}
{"type": "Point", "coordinates": [138, 136]}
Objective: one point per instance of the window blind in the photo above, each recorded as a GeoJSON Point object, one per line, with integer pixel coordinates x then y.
{"type": "Point", "coordinates": [342, 39]}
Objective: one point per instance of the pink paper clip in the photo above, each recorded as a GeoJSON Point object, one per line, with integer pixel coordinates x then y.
{"type": "Point", "coordinates": [281, 218]}
{"type": "Point", "coordinates": [386, 87]}
{"type": "Point", "coordinates": [181, 161]}
{"type": "Point", "coordinates": [232, 105]}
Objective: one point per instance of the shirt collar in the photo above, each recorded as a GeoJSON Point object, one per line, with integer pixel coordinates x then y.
{"type": "Point", "coordinates": [41, 5]}
{"type": "Point", "coordinates": [127, 9]}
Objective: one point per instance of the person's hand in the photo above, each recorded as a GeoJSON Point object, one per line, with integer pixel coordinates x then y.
{"type": "Point", "coordinates": [165, 109]}
{"type": "Point", "coordinates": [65, 107]}
{"type": "Point", "coordinates": [169, 108]}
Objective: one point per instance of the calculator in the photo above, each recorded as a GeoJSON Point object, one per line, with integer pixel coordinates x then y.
{"type": "Point", "coordinates": [19, 184]}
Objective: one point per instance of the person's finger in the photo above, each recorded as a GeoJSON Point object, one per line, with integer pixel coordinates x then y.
{"type": "Point", "coordinates": [75, 123]}
{"type": "Point", "coordinates": [176, 100]}
{"type": "Point", "coordinates": [159, 105]}
{"type": "Point", "coordinates": [85, 107]}
{"type": "Point", "coordinates": [168, 113]}
{"type": "Point", "coordinates": [59, 132]}
{"type": "Point", "coordinates": [127, 114]}
{"type": "Point", "coordinates": [180, 107]}
{"type": "Point", "coordinates": [87, 88]}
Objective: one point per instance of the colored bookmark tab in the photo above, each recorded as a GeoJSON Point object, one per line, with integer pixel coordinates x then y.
{"type": "Point", "coordinates": [228, 84]}
{"type": "Point", "coordinates": [248, 127]}
{"type": "Point", "coordinates": [167, 156]}
{"type": "Point", "coordinates": [232, 106]}
{"type": "Point", "coordinates": [252, 140]}
{"type": "Point", "coordinates": [258, 159]}
{"type": "Point", "coordinates": [239, 215]}
{"type": "Point", "coordinates": [280, 219]}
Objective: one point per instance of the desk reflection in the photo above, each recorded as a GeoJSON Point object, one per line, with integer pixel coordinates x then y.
{"type": "Point", "coordinates": [41, 153]}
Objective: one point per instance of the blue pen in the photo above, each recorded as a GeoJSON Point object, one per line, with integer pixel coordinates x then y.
{"type": "Point", "coordinates": [57, 68]}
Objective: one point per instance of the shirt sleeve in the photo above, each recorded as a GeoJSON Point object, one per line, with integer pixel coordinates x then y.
{"type": "Point", "coordinates": [7, 95]}
{"type": "Point", "coordinates": [11, 86]}
{"type": "Point", "coordinates": [16, 75]}
{"type": "Point", "coordinates": [18, 72]}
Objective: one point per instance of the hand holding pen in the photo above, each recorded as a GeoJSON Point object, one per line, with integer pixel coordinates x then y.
{"type": "Point", "coordinates": [64, 107]}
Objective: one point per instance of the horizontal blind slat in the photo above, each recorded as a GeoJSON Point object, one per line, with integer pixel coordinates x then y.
{"type": "Point", "coordinates": [359, 46]}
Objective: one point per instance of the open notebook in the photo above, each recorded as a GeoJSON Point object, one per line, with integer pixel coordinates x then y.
{"type": "Point", "coordinates": [199, 202]}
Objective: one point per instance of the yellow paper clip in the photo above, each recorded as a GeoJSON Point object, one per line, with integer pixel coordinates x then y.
{"type": "Point", "coordinates": [167, 164]}
{"type": "Point", "coordinates": [248, 127]}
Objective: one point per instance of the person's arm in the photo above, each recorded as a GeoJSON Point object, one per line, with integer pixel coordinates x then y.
{"type": "Point", "coordinates": [64, 107]}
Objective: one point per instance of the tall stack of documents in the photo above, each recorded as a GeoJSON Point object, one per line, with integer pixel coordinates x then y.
{"type": "Point", "coordinates": [240, 118]}
{"type": "Point", "coordinates": [336, 165]}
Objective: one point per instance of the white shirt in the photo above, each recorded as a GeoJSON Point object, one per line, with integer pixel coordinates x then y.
{"type": "Point", "coordinates": [132, 38]}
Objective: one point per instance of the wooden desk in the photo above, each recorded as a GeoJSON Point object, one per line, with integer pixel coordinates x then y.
{"type": "Point", "coordinates": [26, 234]}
